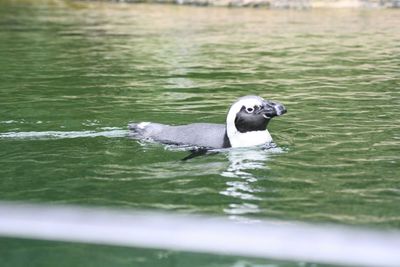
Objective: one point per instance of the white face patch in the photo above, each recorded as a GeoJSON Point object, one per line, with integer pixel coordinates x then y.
{"type": "Point", "coordinates": [238, 139]}
{"type": "Point", "coordinates": [248, 103]}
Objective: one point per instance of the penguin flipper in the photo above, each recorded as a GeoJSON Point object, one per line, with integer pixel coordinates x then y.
{"type": "Point", "coordinates": [196, 153]}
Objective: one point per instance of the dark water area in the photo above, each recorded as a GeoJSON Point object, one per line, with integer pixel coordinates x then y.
{"type": "Point", "coordinates": [73, 75]}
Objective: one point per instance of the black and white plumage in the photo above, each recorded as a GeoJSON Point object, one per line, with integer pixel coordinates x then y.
{"type": "Point", "coordinates": [245, 126]}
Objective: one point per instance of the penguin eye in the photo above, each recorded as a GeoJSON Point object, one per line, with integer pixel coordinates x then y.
{"type": "Point", "coordinates": [249, 110]}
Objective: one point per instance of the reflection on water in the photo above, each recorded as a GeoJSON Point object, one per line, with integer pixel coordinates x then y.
{"type": "Point", "coordinates": [242, 185]}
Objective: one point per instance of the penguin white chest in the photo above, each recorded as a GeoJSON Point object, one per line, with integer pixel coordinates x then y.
{"type": "Point", "coordinates": [254, 138]}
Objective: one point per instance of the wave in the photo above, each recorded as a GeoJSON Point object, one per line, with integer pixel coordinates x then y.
{"type": "Point", "coordinates": [113, 132]}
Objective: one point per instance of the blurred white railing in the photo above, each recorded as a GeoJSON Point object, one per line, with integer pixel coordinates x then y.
{"type": "Point", "coordinates": [280, 240]}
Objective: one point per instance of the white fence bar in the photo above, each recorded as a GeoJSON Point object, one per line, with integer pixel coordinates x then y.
{"type": "Point", "coordinates": [279, 240]}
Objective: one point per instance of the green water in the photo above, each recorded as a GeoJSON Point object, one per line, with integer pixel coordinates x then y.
{"type": "Point", "coordinates": [73, 75]}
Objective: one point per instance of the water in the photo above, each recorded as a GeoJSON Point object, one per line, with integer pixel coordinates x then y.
{"type": "Point", "coordinates": [73, 75]}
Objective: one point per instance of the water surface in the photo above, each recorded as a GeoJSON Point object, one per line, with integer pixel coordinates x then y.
{"type": "Point", "coordinates": [73, 75]}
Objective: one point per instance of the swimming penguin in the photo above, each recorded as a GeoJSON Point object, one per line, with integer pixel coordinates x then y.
{"type": "Point", "coordinates": [245, 126]}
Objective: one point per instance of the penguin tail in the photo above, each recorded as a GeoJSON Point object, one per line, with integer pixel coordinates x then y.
{"type": "Point", "coordinates": [138, 128]}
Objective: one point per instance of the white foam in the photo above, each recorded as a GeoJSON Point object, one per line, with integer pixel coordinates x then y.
{"type": "Point", "coordinates": [9, 121]}
{"type": "Point", "coordinates": [62, 134]}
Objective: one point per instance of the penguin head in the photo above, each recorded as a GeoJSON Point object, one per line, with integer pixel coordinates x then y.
{"type": "Point", "coordinates": [248, 118]}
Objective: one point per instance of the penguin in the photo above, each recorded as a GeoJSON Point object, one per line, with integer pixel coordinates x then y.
{"type": "Point", "coordinates": [246, 125]}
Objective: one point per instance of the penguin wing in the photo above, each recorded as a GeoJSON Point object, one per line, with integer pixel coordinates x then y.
{"type": "Point", "coordinates": [207, 135]}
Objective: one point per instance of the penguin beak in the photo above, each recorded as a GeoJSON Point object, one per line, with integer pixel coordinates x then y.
{"type": "Point", "coordinates": [271, 109]}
